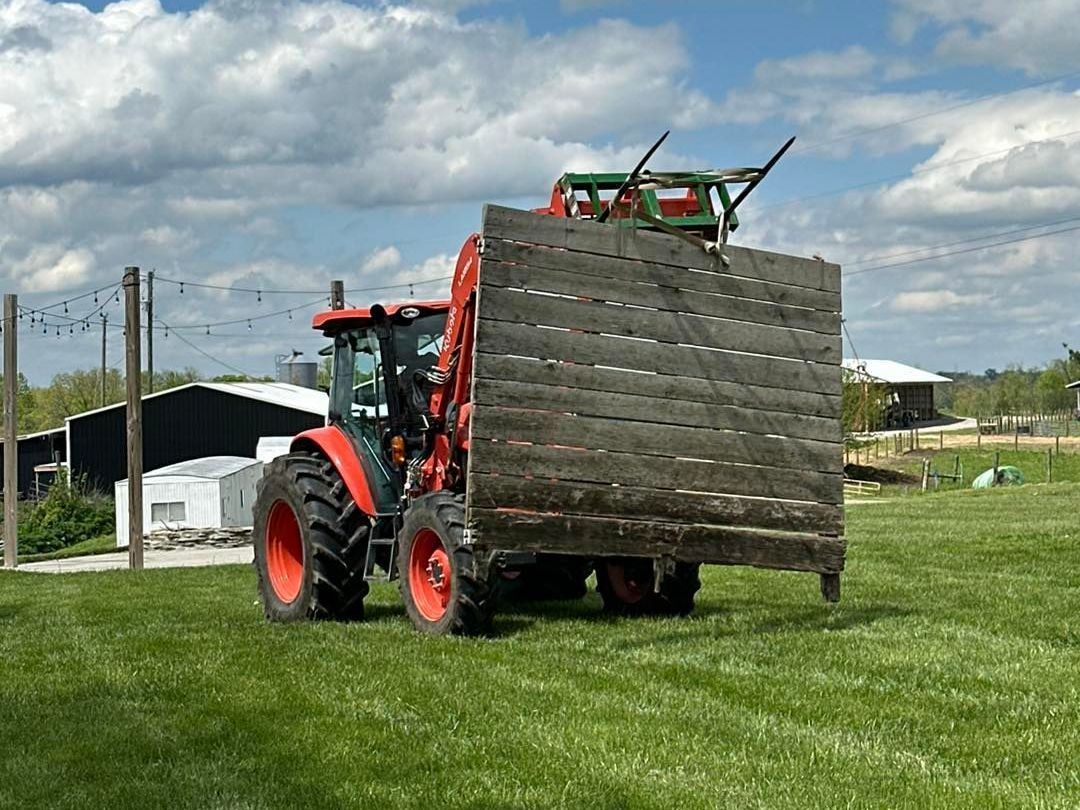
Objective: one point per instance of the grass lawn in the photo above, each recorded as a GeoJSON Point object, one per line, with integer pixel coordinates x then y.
{"type": "Point", "coordinates": [949, 676]}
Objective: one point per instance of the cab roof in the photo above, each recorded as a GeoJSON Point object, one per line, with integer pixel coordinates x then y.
{"type": "Point", "coordinates": [334, 320]}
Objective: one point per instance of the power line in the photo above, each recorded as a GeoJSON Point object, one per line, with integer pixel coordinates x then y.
{"type": "Point", "coordinates": [71, 299]}
{"type": "Point", "coordinates": [851, 343]}
{"type": "Point", "coordinates": [204, 353]}
{"type": "Point", "coordinates": [871, 130]}
{"type": "Point", "coordinates": [965, 250]}
{"type": "Point", "coordinates": [260, 291]}
{"type": "Point", "coordinates": [969, 240]}
{"type": "Point", "coordinates": [916, 172]}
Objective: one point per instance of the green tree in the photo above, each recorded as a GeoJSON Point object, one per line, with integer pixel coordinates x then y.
{"type": "Point", "coordinates": [1050, 391]}
{"type": "Point", "coordinates": [864, 404]}
{"type": "Point", "coordinates": [25, 419]}
{"type": "Point", "coordinates": [73, 392]}
{"type": "Point", "coordinates": [164, 380]}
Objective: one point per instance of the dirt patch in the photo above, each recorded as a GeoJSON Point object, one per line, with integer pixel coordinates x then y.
{"type": "Point", "coordinates": [878, 475]}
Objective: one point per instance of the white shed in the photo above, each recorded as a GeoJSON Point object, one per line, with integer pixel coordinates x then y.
{"type": "Point", "coordinates": [204, 493]}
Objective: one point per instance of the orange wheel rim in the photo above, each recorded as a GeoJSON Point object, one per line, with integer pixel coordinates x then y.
{"type": "Point", "coordinates": [429, 575]}
{"type": "Point", "coordinates": [627, 584]}
{"type": "Point", "coordinates": [284, 552]}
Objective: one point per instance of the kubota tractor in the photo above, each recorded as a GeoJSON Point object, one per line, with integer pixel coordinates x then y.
{"type": "Point", "coordinates": [379, 492]}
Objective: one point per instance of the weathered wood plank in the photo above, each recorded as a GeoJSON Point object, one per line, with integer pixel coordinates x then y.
{"type": "Point", "coordinates": [522, 340]}
{"type": "Point", "coordinates": [666, 275]}
{"type": "Point", "coordinates": [667, 299]}
{"type": "Point", "coordinates": [710, 544]}
{"type": "Point", "coordinates": [661, 386]}
{"type": "Point", "coordinates": [616, 435]}
{"type": "Point", "coordinates": [590, 237]}
{"type": "Point", "coordinates": [635, 470]}
{"type": "Point", "coordinates": [602, 500]}
{"type": "Point", "coordinates": [584, 402]}
{"type": "Point", "coordinates": [593, 316]}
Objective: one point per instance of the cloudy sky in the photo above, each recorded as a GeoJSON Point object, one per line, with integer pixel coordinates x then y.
{"type": "Point", "coordinates": [273, 145]}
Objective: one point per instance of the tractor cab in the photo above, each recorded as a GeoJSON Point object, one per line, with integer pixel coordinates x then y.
{"type": "Point", "coordinates": [382, 376]}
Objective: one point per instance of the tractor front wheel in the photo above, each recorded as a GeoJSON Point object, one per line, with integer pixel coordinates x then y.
{"type": "Point", "coordinates": [626, 587]}
{"type": "Point", "coordinates": [442, 591]}
{"type": "Point", "coordinates": [310, 542]}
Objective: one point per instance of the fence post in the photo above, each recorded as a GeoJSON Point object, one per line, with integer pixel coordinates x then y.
{"type": "Point", "coordinates": [925, 473]}
{"type": "Point", "coordinates": [1016, 437]}
{"type": "Point", "coordinates": [997, 462]}
{"type": "Point", "coordinates": [941, 440]}
{"type": "Point", "coordinates": [1049, 466]}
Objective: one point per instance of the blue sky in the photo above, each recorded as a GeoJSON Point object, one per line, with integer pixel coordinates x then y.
{"type": "Point", "coordinates": [281, 144]}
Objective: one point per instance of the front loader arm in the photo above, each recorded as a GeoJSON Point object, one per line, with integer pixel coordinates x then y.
{"type": "Point", "coordinates": [450, 405]}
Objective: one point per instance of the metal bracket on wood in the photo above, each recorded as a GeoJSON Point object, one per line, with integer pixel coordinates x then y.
{"type": "Point", "coordinates": [663, 567]}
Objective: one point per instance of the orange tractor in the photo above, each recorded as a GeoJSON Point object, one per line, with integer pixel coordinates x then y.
{"type": "Point", "coordinates": [443, 466]}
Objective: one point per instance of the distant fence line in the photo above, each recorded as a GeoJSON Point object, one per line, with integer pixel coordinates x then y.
{"type": "Point", "coordinates": [862, 451]}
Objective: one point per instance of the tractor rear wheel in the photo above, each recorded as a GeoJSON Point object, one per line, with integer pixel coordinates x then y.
{"type": "Point", "coordinates": [626, 587]}
{"type": "Point", "coordinates": [442, 591]}
{"type": "Point", "coordinates": [310, 542]}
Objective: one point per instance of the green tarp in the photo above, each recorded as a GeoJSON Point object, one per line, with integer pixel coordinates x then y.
{"type": "Point", "coordinates": [1006, 476]}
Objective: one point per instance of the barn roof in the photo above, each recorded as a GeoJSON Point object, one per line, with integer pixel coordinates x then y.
{"type": "Point", "coordinates": [284, 394]}
{"type": "Point", "coordinates": [893, 373]}
{"type": "Point", "coordinates": [210, 468]}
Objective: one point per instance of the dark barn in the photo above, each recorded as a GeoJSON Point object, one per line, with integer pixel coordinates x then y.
{"type": "Point", "coordinates": [189, 422]}
{"type": "Point", "coordinates": [38, 450]}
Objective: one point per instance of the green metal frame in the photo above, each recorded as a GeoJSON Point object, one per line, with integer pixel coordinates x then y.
{"type": "Point", "coordinates": [701, 183]}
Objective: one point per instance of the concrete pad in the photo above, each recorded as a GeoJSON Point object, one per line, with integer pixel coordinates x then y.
{"type": "Point", "coordinates": [177, 558]}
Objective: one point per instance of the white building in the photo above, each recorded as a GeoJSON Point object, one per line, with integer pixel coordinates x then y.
{"type": "Point", "coordinates": [205, 493]}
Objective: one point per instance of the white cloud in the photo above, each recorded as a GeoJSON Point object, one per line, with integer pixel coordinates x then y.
{"type": "Point", "coordinates": [52, 267]}
{"type": "Point", "coordinates": [935, 301]}
{"type": "Point", "coordinates": [325, 100]}
{"type": "Point", "coordinates": [1037, 37]}
{"type": "Point", "coordinates": [383, 258]}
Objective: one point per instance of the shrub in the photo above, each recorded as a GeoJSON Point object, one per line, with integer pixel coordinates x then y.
{"type": "Point", "coordinates": [69, 514]}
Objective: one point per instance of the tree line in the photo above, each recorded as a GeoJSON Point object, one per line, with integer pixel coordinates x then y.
{"type": "Point", "coordinates": [1016, 390]}
{"type": "Point", "coordinates": [73, 392]}
{"type": "Point", "coordinates": [1013, 392]}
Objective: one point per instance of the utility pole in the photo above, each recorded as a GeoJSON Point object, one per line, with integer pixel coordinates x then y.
{"type": "Point", "coordinates": [11, 433]}
{"type": "Point", "coordinates": [133, 346]}
{"type": "Point", "coordinates": [150, 331]}
{"type": "Point", "coordinates": [104, 337]}
{"type": "Point", "coordinates": [337, 294]}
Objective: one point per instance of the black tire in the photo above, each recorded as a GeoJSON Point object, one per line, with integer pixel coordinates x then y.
{"type": "Point", "coordinates": [470, 600]}
{"type": "Point", "coordinates": [333, 535]}
{"type": "Point", "coordinates": [553, 577]}
{"type": "Point", "coordinates": [626, 587]}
